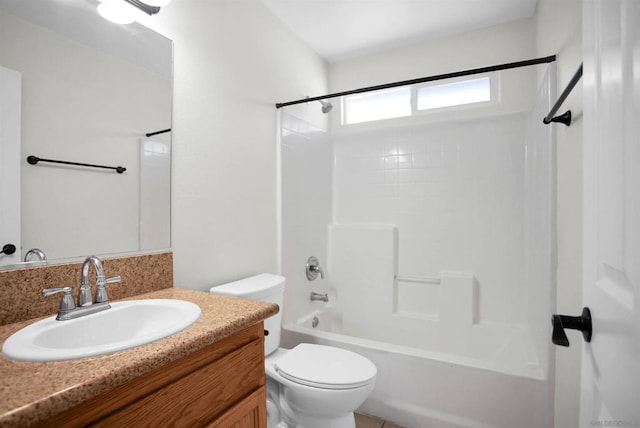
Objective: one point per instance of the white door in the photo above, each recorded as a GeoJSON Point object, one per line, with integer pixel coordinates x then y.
{"type": "Point", "coordinates": [610, 390]}
{"type": "Point", "coordinates": [10, 97]}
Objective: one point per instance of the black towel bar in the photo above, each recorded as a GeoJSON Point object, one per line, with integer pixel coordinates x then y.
{"type": "Point", "coordinates": [33, 160]}
{"type": "Point", "coordinates": [151, 134]}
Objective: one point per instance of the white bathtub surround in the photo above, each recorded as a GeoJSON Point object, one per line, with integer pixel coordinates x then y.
{"type": "Point", "coordinates": [456, 303]}
{"type": "Point", "coordinates": [362, 266]}
{"type": "Point", "coordinates": [440, 265]}
{"type": "Point", "coordinates": [371, 303]}
{"type": "Point", "coordinates": [420, 315]}
{"type": "Point", "coordinates": [306, 157]}
{"type": "Point", "coordinates": [540, 219]}
{"type": "Point", "coordinates": [455, 192]}
{"type": "Point", "coordinates": [459, 302]}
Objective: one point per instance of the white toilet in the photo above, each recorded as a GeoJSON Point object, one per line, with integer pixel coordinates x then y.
{"type": "Point", "coordinates": [310, 386]}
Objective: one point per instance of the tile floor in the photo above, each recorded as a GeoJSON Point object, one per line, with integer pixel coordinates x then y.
{"type": "Point", "coordinates": [363, 421]}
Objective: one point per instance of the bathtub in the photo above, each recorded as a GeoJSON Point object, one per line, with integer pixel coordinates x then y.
{"type": "Point", "coordinates": [488, 379]}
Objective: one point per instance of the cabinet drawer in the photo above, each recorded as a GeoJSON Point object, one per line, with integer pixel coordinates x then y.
{"type": "Point", "coordinates": [200, 397]}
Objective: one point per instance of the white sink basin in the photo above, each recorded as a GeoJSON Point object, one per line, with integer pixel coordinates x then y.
{"type": "Point", "coordinates": [126, 325]}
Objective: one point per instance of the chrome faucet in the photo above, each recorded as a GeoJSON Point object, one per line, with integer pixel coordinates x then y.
{"type": "Point", "coordinates": [35, 252]}
{"type": "Point", "coordinates": [68, 309]}
{"type": "Point", "coordinates": [321, 297]}
{"type": "Point", "coordinates": [85, 299]}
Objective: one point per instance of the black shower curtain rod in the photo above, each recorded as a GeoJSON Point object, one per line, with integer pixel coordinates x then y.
{"type": "Point", "coordinates": [564, 118]}
{"type": "Point", "coordinates": [469, 72]}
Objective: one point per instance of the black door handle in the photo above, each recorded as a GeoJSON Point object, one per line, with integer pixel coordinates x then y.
{"type": "Point", "coordinates": [8, 249]}
{"type": "Point", "coordinates": [560, 322]}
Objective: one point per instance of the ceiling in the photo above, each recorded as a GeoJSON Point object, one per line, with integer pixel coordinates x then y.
{"type": "Point", "coordinates": [340, 29]}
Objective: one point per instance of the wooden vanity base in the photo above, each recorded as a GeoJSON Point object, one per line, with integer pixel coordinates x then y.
{"type": "Point", "coordinates": [222, 385]}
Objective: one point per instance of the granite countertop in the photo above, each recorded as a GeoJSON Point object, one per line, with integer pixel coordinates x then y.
{"type": "Point", "coordinates": [31, 392]}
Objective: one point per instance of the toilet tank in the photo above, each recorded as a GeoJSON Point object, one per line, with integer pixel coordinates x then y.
{"type": "Point", "coordinates": [267, 288]}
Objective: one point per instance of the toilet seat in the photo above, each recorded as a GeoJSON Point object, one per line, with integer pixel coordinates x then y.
{"type": "Point", "coordinates": [325, 367]}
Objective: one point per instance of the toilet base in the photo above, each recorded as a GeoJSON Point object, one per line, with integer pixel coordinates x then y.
{"type": "Point", "coordinates": [299, 420]}
{"type": "Point", "coordinates": [281, 415]}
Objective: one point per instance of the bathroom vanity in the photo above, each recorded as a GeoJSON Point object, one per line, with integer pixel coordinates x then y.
{"type": "Point", "coordinates": [210, 374]}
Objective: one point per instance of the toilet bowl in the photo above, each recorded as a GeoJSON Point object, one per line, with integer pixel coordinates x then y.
{"type": "Point", "coordinates": [310, 386]}
{"type": "Point", "coordinates": [320, 386]}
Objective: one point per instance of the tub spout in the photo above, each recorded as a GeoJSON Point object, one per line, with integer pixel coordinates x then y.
{"type": "Point", "coordinates": [319, 297]}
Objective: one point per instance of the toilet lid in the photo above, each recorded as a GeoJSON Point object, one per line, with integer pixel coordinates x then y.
{"type": "Point", "coordinates": [325, 367]}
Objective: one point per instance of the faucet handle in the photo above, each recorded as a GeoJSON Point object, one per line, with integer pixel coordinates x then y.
{"type": "Point", "coordinates": [67, 303]}
{"type": "Point", "coordinates": [101, 294]}
{"type": "Point", "coordinates": [313, 269]}
{"type": "Point", "coordinates": [112, 279]}
{"type": "Point", "coordinates": [51, 291]}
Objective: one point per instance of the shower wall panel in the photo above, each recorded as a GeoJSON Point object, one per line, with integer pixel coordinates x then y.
{"type": "Point", "coordinates": [455, 191]}
{"type": "Point", "coordinates": [540, 218]}
{"type": "Point", "coordinates": [306, 168]}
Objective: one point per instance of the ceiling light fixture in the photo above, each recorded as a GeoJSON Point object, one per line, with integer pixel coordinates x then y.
{"type": "Point", "coordinates": [128, 11]}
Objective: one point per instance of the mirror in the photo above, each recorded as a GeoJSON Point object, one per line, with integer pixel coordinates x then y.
{"type": "Point", "coordinates": [90, 92]}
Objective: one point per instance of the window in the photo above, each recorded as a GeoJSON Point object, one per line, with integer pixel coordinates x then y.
{"type": "Point", "coordinates": [377, 105]}
{"type": "Point", "coordinates": [411, 100]}
{"type": "Point", "coordinates": [454, 94]}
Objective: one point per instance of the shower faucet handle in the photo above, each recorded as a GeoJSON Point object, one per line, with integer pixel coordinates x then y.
{"type": "Point", "coordinates": [313, 269]}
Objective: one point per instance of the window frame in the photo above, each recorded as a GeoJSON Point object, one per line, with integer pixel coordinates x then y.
{"type": "Point", "coordinates": [494, 94]}
{"type": "Point", "coordinates": [494, 88]}
{"type": "Point", "coordinates": [344, 113]}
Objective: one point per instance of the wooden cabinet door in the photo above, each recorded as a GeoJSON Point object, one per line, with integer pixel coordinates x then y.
{"type": "Point", "coordinates": [248, 413]}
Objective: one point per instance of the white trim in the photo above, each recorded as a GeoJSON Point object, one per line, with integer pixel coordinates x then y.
{"type": "Point", "coordinates": [10, 123]}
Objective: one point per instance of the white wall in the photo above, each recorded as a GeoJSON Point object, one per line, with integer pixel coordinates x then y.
{"type": "Point", "coordinates": [502, 43]}
{"type": "Point", "coordinates": [233, 61]}
{"type": "Point", "coordinates": [559, 31]}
